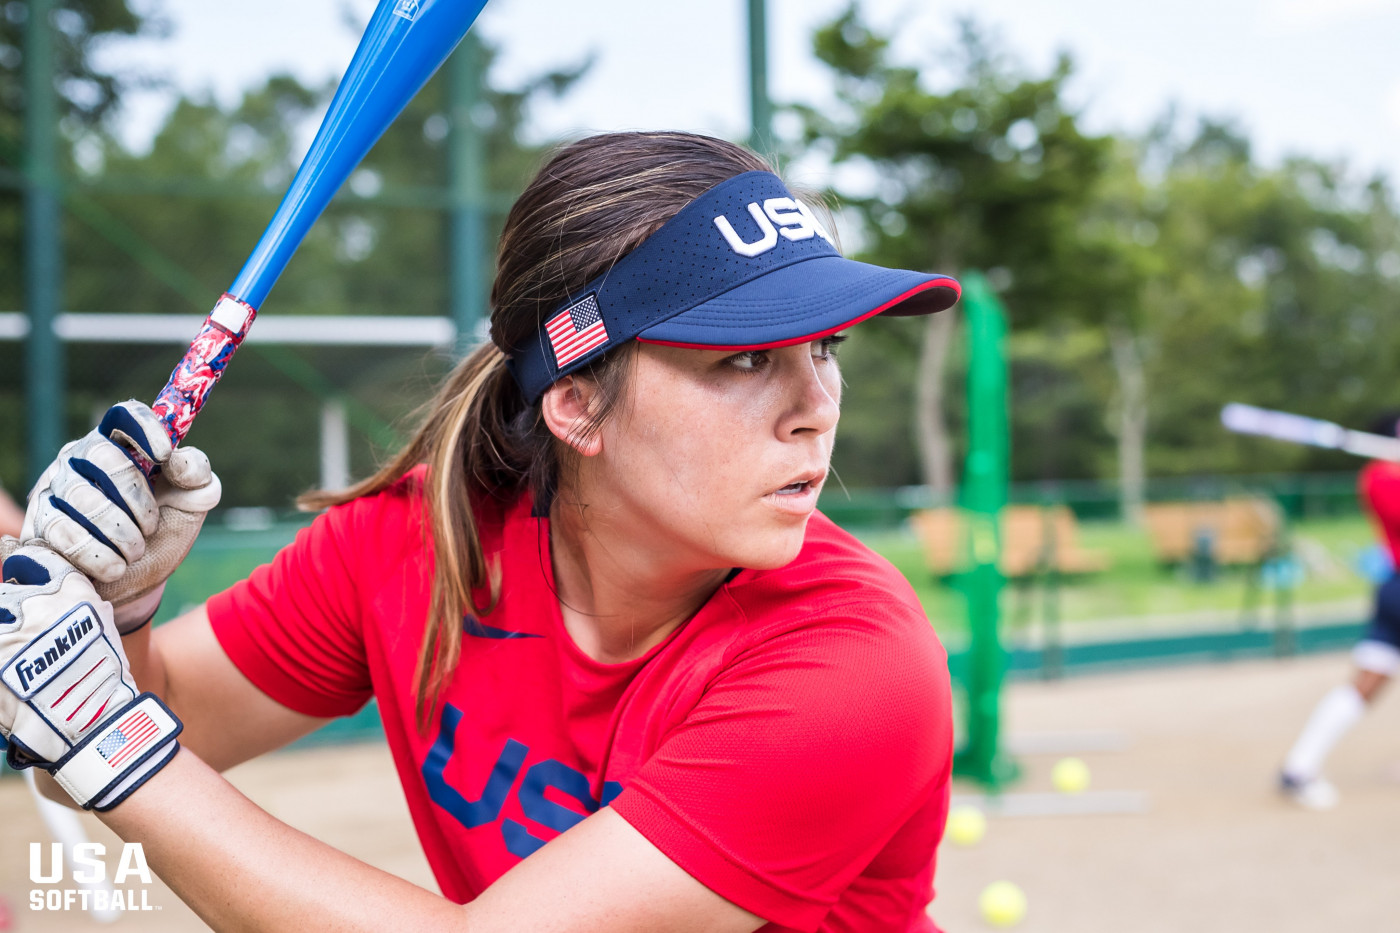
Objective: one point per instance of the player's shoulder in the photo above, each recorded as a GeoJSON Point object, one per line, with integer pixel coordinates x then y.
{"type": "Point", "coordinates": [838, 607]}
{"type": "Point", "coordinates": [835, 577]}
{"type": "Point", "coordinates": [381, 526]}
{"type": "Point", "coordinates": [399, 517]}
{"type": "Point", "coordinates": [397, 504]}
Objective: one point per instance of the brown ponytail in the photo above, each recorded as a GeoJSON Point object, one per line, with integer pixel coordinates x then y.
{"type": "Point", "coordinates": [592, 203]}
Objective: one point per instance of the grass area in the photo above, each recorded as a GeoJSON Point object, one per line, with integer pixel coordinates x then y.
{"type": "Point", "coordinates": [1325, 571]}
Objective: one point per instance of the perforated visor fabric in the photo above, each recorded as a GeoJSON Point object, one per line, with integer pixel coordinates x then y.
{"type": "Point", "coordinates": [745, 265]}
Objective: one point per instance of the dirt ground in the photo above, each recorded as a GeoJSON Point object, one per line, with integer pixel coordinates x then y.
{"type": "Point", "coordinates": [1215, 849]}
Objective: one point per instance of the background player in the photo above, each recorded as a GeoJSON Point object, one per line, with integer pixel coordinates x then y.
{"type": "Point", "coordinates": [1376, 657]}
{"type": "Point", "coordinates": [593, 583]}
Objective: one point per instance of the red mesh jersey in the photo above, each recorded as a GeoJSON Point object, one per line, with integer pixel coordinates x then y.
{"type": "Point", "coordinates": [789, 746]}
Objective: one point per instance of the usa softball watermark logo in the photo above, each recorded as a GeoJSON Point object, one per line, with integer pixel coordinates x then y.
{"type": "Point", "coordinates": [88, 887]}
{"type": "Point", "coordinates": [408, 9]}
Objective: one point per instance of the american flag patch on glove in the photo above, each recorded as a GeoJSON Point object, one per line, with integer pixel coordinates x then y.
{"type": "Point", "coordinates": [127, 739]}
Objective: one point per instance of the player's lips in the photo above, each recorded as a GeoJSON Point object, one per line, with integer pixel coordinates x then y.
{"type": "Point", "coordinates": [798, 495]}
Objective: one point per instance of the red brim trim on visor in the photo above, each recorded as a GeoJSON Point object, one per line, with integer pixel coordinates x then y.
{"type": "Point", "coordinates": [773, 345]}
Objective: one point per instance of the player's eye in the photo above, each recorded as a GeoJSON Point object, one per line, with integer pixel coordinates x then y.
{"type": "Point", "coordinates": [827, 347]}
{"type": "Point", "coordinates": [750, 361]}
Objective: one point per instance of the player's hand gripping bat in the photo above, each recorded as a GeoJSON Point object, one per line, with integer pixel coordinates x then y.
{"type": "Point", "coordinates": [405, 42]}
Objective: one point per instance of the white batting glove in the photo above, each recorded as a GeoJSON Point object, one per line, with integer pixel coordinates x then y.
{"type": "Point", "coordinates": [94, 506]}
{"type": "Point", "coordinates": [69, 705]}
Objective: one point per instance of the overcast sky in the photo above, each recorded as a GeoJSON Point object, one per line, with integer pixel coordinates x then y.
{"type": "Point", "coordinates": [1320, 77]}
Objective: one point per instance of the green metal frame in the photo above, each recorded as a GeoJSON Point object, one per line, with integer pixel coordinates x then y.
{"type": "Point", "coordinates": [43, 252]}
{"type": "Point", "coordinates": [468, 196]}
{"type": "Point", "coordinates": [982, 495]}
{"type": "Point", "coordinates": [760, 104]}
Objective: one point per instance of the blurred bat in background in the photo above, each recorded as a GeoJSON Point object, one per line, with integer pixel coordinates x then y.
{"type": "Point", "coordinates": [1298, 429]}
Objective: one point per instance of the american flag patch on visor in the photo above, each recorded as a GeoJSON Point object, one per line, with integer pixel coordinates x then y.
{"type": "Point", "coordinates": [575, 331]}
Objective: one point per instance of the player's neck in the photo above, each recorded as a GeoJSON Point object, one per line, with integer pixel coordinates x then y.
{"type": "Point", "coordinates": [618, 596]}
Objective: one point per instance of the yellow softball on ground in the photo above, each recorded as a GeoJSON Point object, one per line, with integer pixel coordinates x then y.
{"type": "Point", "coordinates": [1003, 904]}
{"type": "Point", "coordinates": [966, 825]}
{"type": "Point", "coordinates": [1070, 776]}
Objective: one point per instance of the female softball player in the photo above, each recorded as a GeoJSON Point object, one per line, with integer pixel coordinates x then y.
{"type": "Point", "coordinates": [630, 678]}
{"type": "Point", "coordinates": [1376, 657]}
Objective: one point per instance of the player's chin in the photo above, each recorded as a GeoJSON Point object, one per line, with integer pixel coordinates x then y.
{"type": "Point", "coordinates": [773, 546]}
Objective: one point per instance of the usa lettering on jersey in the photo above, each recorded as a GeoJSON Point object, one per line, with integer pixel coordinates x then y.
{"type": "Point", "coordinates": [503, 780]}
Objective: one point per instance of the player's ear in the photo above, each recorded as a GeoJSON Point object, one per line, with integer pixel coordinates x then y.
{"type": "Point", "coordinates": [568, 407]}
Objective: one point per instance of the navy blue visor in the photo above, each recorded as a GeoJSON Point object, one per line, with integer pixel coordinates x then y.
{"type": "Point", "coordinates": [745, 266]}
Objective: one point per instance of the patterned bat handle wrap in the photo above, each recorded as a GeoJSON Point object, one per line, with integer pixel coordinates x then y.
{"type": "Point", "coordinates": [202, 365]}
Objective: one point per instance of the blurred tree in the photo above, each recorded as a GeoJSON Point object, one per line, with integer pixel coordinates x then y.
{"type": "Point", "coordinates": [87, 95]}
{"type": "Point", "coordinates": [1115, 256]}
{"type": "Point", "coordinates": [1199, 275]}
{"type": "Point", "coordinates": [1274, 286]}
{"type": "Point", "coordinates": [213, 176]}
{"type": "Point", "coordinates": [992, 173]}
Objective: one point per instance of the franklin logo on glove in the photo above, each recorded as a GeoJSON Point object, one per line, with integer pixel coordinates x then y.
{"type": "Point", "coordinates": [69, 705]}
{"type": "Point", "coordinates": [38, 664]}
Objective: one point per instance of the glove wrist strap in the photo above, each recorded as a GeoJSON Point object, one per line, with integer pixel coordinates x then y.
{"type": "Point", "coordinates": [120, 755]}
{"type": "Point", "coordinates": [129, 617]}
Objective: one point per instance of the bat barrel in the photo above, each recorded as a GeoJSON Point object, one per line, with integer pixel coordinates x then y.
{"type": "Point", "coordinates": [405, 43]}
